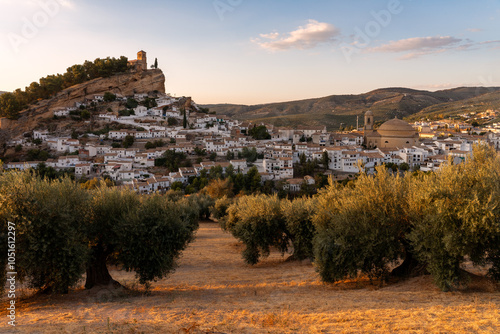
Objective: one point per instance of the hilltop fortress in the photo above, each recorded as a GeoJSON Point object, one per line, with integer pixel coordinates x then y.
{"type": "Point", "coordinates": [139, 64]}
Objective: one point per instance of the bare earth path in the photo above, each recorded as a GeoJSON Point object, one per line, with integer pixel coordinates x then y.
{"type": "Point", "coordinates": [213, 291]}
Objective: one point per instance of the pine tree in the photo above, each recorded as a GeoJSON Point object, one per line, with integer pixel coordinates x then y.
{"type": "Point", "coordinates": [184, 121]}
{"type": "Point", "coordinates": [156, 63]}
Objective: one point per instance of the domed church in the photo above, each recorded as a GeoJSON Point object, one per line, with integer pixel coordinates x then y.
{"type": "Point", "coordinates": [393, 133]}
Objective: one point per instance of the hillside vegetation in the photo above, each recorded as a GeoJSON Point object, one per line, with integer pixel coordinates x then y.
{"type": "Point", "coordinates": [335, 110]}
{"type": "Point", "coordinates": [12, 103]}
{"type": "Point", "coordinates": [475, 104]}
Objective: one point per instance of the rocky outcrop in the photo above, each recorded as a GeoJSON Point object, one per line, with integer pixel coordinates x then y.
{"type": "Point", "coordinates": [125, 84]}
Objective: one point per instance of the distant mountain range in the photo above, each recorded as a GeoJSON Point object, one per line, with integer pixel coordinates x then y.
{"type": "Point", "coordinates": [336, 110]}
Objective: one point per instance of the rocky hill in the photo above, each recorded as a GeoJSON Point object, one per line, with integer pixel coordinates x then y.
{"type": "Point", "coordinates": [126, 84]}
{"type": "Point", "coordinates": [336, 110]}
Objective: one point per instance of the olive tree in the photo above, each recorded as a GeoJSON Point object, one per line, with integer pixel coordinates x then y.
{"type": "Point", "coordinates": [50, 229]}
{"type": "Point", "coordinates": [257, 221]}
{"type": "Point", "coordinates": [219, 210]}
{"type": "Point", "coordinates": [299, 226]}
{"type": "Point", "coordinates": [361, 227]}
{"type": "Point", "coordinates": [63, 230]}
{"type": "Point", "coordinates": [456, 217]}
{"type": "Point", "coordinates": [141, 233]}
{"type": "Point", "coordinates": [153, 237]}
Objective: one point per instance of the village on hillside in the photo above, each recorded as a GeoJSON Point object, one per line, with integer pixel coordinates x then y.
{"type": "Point", "coordinates": [213, 140]}
{"type": "Point", "coordinates": [138, 134]}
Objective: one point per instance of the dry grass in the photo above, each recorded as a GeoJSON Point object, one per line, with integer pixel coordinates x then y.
{"type": "Point", "coordinates": [213, 291]}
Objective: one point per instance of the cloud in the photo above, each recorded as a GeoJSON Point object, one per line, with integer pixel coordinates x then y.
{"type": "Point", "coordinates": [474, 30]}
{"type": "Point", "coordinates": [309, 36]}
{"type": "Point", "coordinates": [422, 46]}
{"type": "Point", "coordinates": [419, 54]}
{"type": "Point", "coordinates": [272, 35]}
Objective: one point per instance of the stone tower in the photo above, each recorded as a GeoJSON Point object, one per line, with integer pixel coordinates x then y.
{"type": "Point", "coordinates": [368, 129]}
{"type": "Point", "coordinates": [142, 61]}
{"type": "Point", "coordinates": [368, 121]}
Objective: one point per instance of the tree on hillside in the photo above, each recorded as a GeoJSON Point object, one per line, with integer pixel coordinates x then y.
{"type": "Point", "coordinates": [259, 133]}
{"type": "Point", "coordinates": [131, 103]}
{"type": "Point", "coordinates": [325, 160]}
{"type": "Point", "coordinates": [128, 141]}
{"type": "Point", "coordinates": [149, 103]}
{"type": "Point", "coordinates": [109, 97]}
{"type": "Point", "coordinates": [52, 84]}
{"type": "Point", "coordinates": [173, 160]}
{"type": "Point", "coordinates": [171, 121]}
{"type": "Point", "coordinates": [252, 180]}
{"type": "Point", "coordinates": [250, 154]}
{"type": "Point", "coordinates": [9, 106]}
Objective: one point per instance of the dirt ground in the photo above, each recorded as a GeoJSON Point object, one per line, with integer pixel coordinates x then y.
{"type": "Point", "coordinates": [213, 291]}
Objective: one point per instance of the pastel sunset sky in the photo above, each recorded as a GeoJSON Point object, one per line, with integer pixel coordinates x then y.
{"type": "Point", "coordinates": [255, 51]}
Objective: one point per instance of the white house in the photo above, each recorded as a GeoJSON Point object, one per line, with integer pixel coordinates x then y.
{"type": "Point", "coordinates": [40, 134]}
{"type": "Point", "coordinates": [83, 169]}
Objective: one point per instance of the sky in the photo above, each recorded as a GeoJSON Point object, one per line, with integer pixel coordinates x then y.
{"type": "Point", "coordinates": [255, 51]}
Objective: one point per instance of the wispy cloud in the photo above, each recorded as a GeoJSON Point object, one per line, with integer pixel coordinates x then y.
{"type": "Point", "coordinates": [309, 36]}
{"type": "Point", "coordinates": [421, 46]}
{"type": "Point", "coordinates": [474, 30]}
{"type": "Point", "coordinates": [417, 44]}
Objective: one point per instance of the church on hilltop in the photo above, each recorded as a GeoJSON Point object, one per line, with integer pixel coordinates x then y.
{"type": "Point", "coordinates": [139, 64]}
{"type": "Point", "coordinates": [393, 133]}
